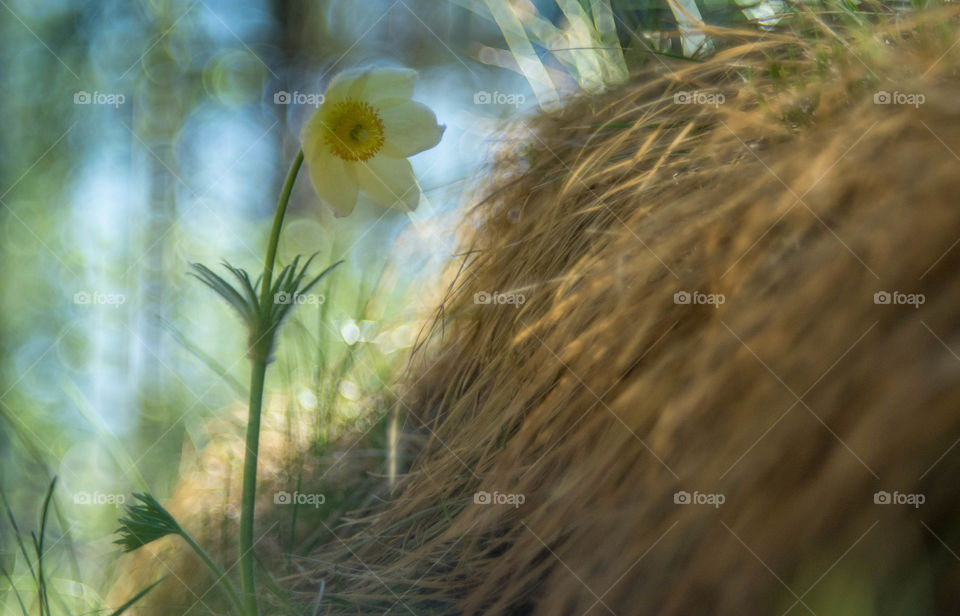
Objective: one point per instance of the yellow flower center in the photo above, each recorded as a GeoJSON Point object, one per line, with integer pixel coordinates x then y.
{"type": "Point", "coordinates": [354, 130]}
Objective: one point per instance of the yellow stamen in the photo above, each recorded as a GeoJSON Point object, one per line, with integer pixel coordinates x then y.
{"type": "Point", "coordinates": [354, 130]}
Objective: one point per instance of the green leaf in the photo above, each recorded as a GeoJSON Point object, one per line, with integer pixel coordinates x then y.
{"type": "Point", "coordinates": [145, 523]}
{"type": "Point", "coordinates": [249, 288]}
{"type": "Point", "coordinates": [289, 283]}
{"type": "Point", "coordinates": [243, 305]}
{"type": "Point", "coordinates": [123, 608]}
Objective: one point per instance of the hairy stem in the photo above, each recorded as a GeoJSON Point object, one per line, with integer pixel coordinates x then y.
{"type": "Point", "coordinates": [221, 577]}
{"type": "Point", "coordinates": [261, 344]}
{"type": "Point", "coordinates": [271, 255]}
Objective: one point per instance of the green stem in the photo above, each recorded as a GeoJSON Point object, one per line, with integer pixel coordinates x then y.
{"type": "Point", "coordinates": [221, 577]}
{"type": "Point", "coordinates": [271, 255]}
{"type": "Point", "coordinates": [261, 345]}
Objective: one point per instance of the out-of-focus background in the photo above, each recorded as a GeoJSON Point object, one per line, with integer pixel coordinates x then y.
{"type": "Point", "coordinates": [140, 136]}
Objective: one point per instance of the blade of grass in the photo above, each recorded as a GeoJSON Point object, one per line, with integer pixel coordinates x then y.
{"type": "Point", "coordinates": [38, 546]}
{"type": "Point", "coordinates": [123, 608]}
{"type": "Point", "coordinates": [316, 604]}
{"type": "Point", "coordinates": [16, 592]}
{"type": "Point", "coordinates": [606, 26]}
{"type": "Point", "coordinates": [17, 536]}
{"type": "Point", "coordinates": [526, 56]}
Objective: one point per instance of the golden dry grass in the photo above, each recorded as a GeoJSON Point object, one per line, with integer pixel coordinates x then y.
{"type": "Point", "coordinates": [600, 397]}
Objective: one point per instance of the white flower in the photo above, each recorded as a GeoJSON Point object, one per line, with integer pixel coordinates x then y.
{"type": "Point", "coordinates": [361, 136]}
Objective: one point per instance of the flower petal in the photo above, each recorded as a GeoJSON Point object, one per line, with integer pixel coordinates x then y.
{"type": "Point", "coordinates": [409, 127]}
{"type": "Point", "coordinates": [372, 84]}
{"type": "Point", "coordinates": [388, 181]}
{"type": "Point", "coordinates": [335, 181]}
{"type": "Point", "coordinates": [311, 136]}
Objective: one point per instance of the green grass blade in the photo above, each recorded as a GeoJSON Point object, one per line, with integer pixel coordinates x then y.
{"type": "Point", "coordinates": [38, 545]}
{"type": "Point", "coordinates": [123, 608]}
{"type": "Point", "coordinates": [13, 587]}
{"type": "Point", "coordinates": [17, 535]}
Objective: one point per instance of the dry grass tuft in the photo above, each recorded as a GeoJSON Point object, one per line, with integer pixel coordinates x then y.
{"type": "Point", "coordinates": [206, 502]}
{"type": "Point", "coordinates": [599, 398]}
